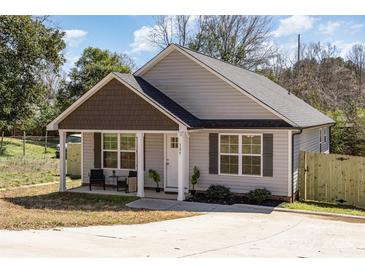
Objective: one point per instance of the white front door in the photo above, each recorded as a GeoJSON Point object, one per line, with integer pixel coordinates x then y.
{"type": "Point", "coordinates": [172, 147]}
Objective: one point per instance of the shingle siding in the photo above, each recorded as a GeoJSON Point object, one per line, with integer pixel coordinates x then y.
{"type": "Point", "coordinates": [277, 184]}
{"type": "Point", "coordinates": [200, 92]}
{"type": "Point", "coordinates": [116, 107]}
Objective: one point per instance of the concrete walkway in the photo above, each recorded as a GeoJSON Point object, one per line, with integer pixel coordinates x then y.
{"type": "Point", "coordinates": [215, 234]}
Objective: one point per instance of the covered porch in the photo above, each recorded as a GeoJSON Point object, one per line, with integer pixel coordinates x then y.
{"type": "Point", "coordinates": [118, 152]}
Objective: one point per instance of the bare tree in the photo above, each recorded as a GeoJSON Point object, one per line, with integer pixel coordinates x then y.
{"type": "Point", "coordinates": [239, 40]}
{"type": "Point", "coordinates": [170, 29]}
{"type": "Point", "coordinates": [357, 57]}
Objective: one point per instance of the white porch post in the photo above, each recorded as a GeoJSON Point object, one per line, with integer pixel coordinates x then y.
{"type": "Point", "coordinates": [182, 164]}
{"type": "Point", "coordinates": [140, 165]}
{"type": "Point", "coordinates": [62, 160]}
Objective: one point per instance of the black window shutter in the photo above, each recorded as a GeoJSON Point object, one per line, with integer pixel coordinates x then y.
{"type": "Point", "coordinates": [268, 151]}
{"type": "Point", "coordinates": [97, 150]}
{"type": "Point", "coordinates": [213, 153]}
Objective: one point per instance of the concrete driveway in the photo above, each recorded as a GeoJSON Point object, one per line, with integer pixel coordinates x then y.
{"type": "Point", "coordinates": [223, 234]}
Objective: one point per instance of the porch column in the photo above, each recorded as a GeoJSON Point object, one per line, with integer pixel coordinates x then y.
{"type": "Point", "coordinates": [62, 160]}
{"type": "Point", "coordinates": [182, 165]}
{"type": "Point", "coordinates": [140, 164]}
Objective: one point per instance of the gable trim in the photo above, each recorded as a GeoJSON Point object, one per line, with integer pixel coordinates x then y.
{"type": "Point", "coordinates": [54, 124]}
{"type": "Point", "coordinates": [172, 47]}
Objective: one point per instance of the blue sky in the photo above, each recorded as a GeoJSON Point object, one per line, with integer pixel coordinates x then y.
{"type": "Point", "coordinates": [127, 34]}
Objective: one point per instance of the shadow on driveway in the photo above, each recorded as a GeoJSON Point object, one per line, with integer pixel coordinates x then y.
{"type": "Point", "coordinates": [158, 204]}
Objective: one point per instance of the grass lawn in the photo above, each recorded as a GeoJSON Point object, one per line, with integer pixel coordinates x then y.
{"type": "Point", "coordinates": [40, 207]}
{"type": "Point", "coordinates": [34, 168]}
{"type": "Point", "coordinates": [325, 207]}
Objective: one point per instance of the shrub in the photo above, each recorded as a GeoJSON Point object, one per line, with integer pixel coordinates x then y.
{"type": "Point", "coordinates": [218, 192]}
{"type": "Point", "coordinates": [155, 176]}
{"type": "Point", "coordinates": [195, 177]}
{"type": "Point", "coordinates": [259, 195]}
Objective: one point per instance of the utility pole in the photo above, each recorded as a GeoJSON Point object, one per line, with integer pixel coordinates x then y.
{"type": "Point", "coordinates": [298, 62]}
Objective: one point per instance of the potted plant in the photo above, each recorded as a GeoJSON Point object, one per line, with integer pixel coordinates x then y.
{"type": "Point", "coordinates": [153, 174]}
{"type": "Point", "coordinates": [194, 179]}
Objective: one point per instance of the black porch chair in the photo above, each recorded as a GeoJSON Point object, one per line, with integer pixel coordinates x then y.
{"type": "Point", "coordinates": [96, 177]}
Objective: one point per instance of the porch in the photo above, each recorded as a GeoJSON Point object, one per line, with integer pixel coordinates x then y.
{"type": "Point", "coordinates": [118, 152]}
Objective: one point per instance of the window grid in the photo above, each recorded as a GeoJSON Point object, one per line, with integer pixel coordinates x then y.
{"type": "Point", "coordinates": [128, 142]}
{"type": "Point", "coordinates": [239, 154]}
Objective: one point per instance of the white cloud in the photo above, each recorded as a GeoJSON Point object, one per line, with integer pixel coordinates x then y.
{"type": "Point", "coordinates": [73, 37]}
{"type": "Point", "coordinates": [294, 25]}
{"type": "Point", "coordinates": [356, 27]}
{"type": "Point", "coordinates": [141, 42]}
{"type": "Point", "coordinates": [329, 27]}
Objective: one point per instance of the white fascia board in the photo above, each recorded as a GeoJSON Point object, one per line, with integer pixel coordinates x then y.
{"type": "Point", "coordinates": [54, 124]}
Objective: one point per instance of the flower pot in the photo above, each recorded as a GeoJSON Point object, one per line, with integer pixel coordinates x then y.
{"type": "Point", "coordinates": [192, 191]}
{"type": "Point", "coordinates": [158, 189]}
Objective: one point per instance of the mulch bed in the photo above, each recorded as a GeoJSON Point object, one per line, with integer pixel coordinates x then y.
{"type": "Point", "coordinates": [235, 199]}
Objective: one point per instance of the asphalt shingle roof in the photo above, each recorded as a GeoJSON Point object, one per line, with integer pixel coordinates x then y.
{"type": "Point", "coordinates": [298, 112]}
{"type": "Point", "coordinates": [177, 110]}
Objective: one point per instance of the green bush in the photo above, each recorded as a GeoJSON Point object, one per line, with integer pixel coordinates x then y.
{"type": "Point", "coordinates": [259, 195]}
{"type": "Point", "coordinates": [218, 192]}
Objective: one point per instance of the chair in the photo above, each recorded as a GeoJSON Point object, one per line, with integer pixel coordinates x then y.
{"type": "Point", "coordinates": [96, 177]}
{"type": "Point", "coordinates": [132, 181]}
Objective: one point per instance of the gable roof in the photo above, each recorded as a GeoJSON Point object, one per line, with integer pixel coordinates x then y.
{"type": "Point", "coordinates": [269, 94]}
{"type": "Point", "coordinates": [160, 98]}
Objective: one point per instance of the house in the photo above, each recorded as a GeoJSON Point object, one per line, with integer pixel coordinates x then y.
{"type": "Point", "coordinates": [184, 109]}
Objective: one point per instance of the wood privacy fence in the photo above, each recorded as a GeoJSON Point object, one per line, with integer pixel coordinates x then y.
{"type": "Point", "coordinates": [332, 178]}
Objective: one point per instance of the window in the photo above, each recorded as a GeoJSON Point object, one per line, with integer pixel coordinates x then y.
{"type": "Point", "coordinates": [127, 151]}
{"type": "Point", "coordinates": [251, 154]}
{"type": "Point", "coordinates": [325, 135]}
{"type": "Point", "coordinates": [110, 150]}
{"type": "Point", "coordinates": [241, 154]}
{"type": "Point", "coordinates": [174, 142]}
{"type": "Point", "coordinates": [119, 151]}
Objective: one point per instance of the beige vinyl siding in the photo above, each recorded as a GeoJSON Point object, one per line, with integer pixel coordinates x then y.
{"type": "Point", "coordinates": [87, 155]}
{"type": "Point", "coordinates": [154, 153]}
{"type": "Point", "coordinates": [278, 184]}
{"type": "Point", "coordinates": [308, 140]}
{"type": "Point", "coordinates": [201, 92]}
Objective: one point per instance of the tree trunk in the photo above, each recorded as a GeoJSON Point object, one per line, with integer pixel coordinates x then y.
{"type": "Point", "coordinates": [23, 143]}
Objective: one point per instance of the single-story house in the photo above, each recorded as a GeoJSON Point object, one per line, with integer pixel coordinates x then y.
{"type": "Point", "coordinates": [184, 109]}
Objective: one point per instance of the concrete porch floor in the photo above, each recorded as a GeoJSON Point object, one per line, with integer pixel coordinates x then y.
{"type": "Point", "coordinates": [111, 190]}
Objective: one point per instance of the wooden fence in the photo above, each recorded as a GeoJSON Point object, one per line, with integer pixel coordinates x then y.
{"type": "Point", "coordinates": [332, 178]}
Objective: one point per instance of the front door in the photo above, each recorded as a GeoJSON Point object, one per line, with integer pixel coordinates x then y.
{"type": "Point", "coordinates": [172, 147]}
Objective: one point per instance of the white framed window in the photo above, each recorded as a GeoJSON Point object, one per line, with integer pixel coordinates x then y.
{"type": "Point", "coordinates": [119, 151]}
{"type": "Point", "coordinates": [325, 135]}
{"type": "Point", "coordinates": [240, 154]}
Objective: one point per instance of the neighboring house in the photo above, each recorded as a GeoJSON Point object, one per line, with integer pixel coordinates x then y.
{"type": "Point", "coordinates": [184, 109]}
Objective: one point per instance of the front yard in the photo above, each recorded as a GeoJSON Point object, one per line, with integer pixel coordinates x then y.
{"type": "Point", "coordinates": [35, 167]}
{"type": "Point", "coordinates": [40, 207]}
{"type": "Point", "coordinates": [325, 207]}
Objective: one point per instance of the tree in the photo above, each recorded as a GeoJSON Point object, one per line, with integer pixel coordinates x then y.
{"type": "Point", "coordinates": [93, 65]}
{"type": "Point", "coordinates": [356, 58]}
{"type": "Point", "coordinates": [237, 39]}
{"type": "Point", "coordinates": [171, 29]}
{"type": "Point", "coordinates": [27, 47]}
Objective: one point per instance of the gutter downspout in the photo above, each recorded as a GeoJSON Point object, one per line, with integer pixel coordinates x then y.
{"type": "Point", "coordinates": [292, 162]}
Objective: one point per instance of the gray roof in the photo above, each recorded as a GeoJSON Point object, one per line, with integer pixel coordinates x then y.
{"type": "Point", "coordinates": [298, 112]}
{"type": "Point", "coordinates": [192, 121]}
